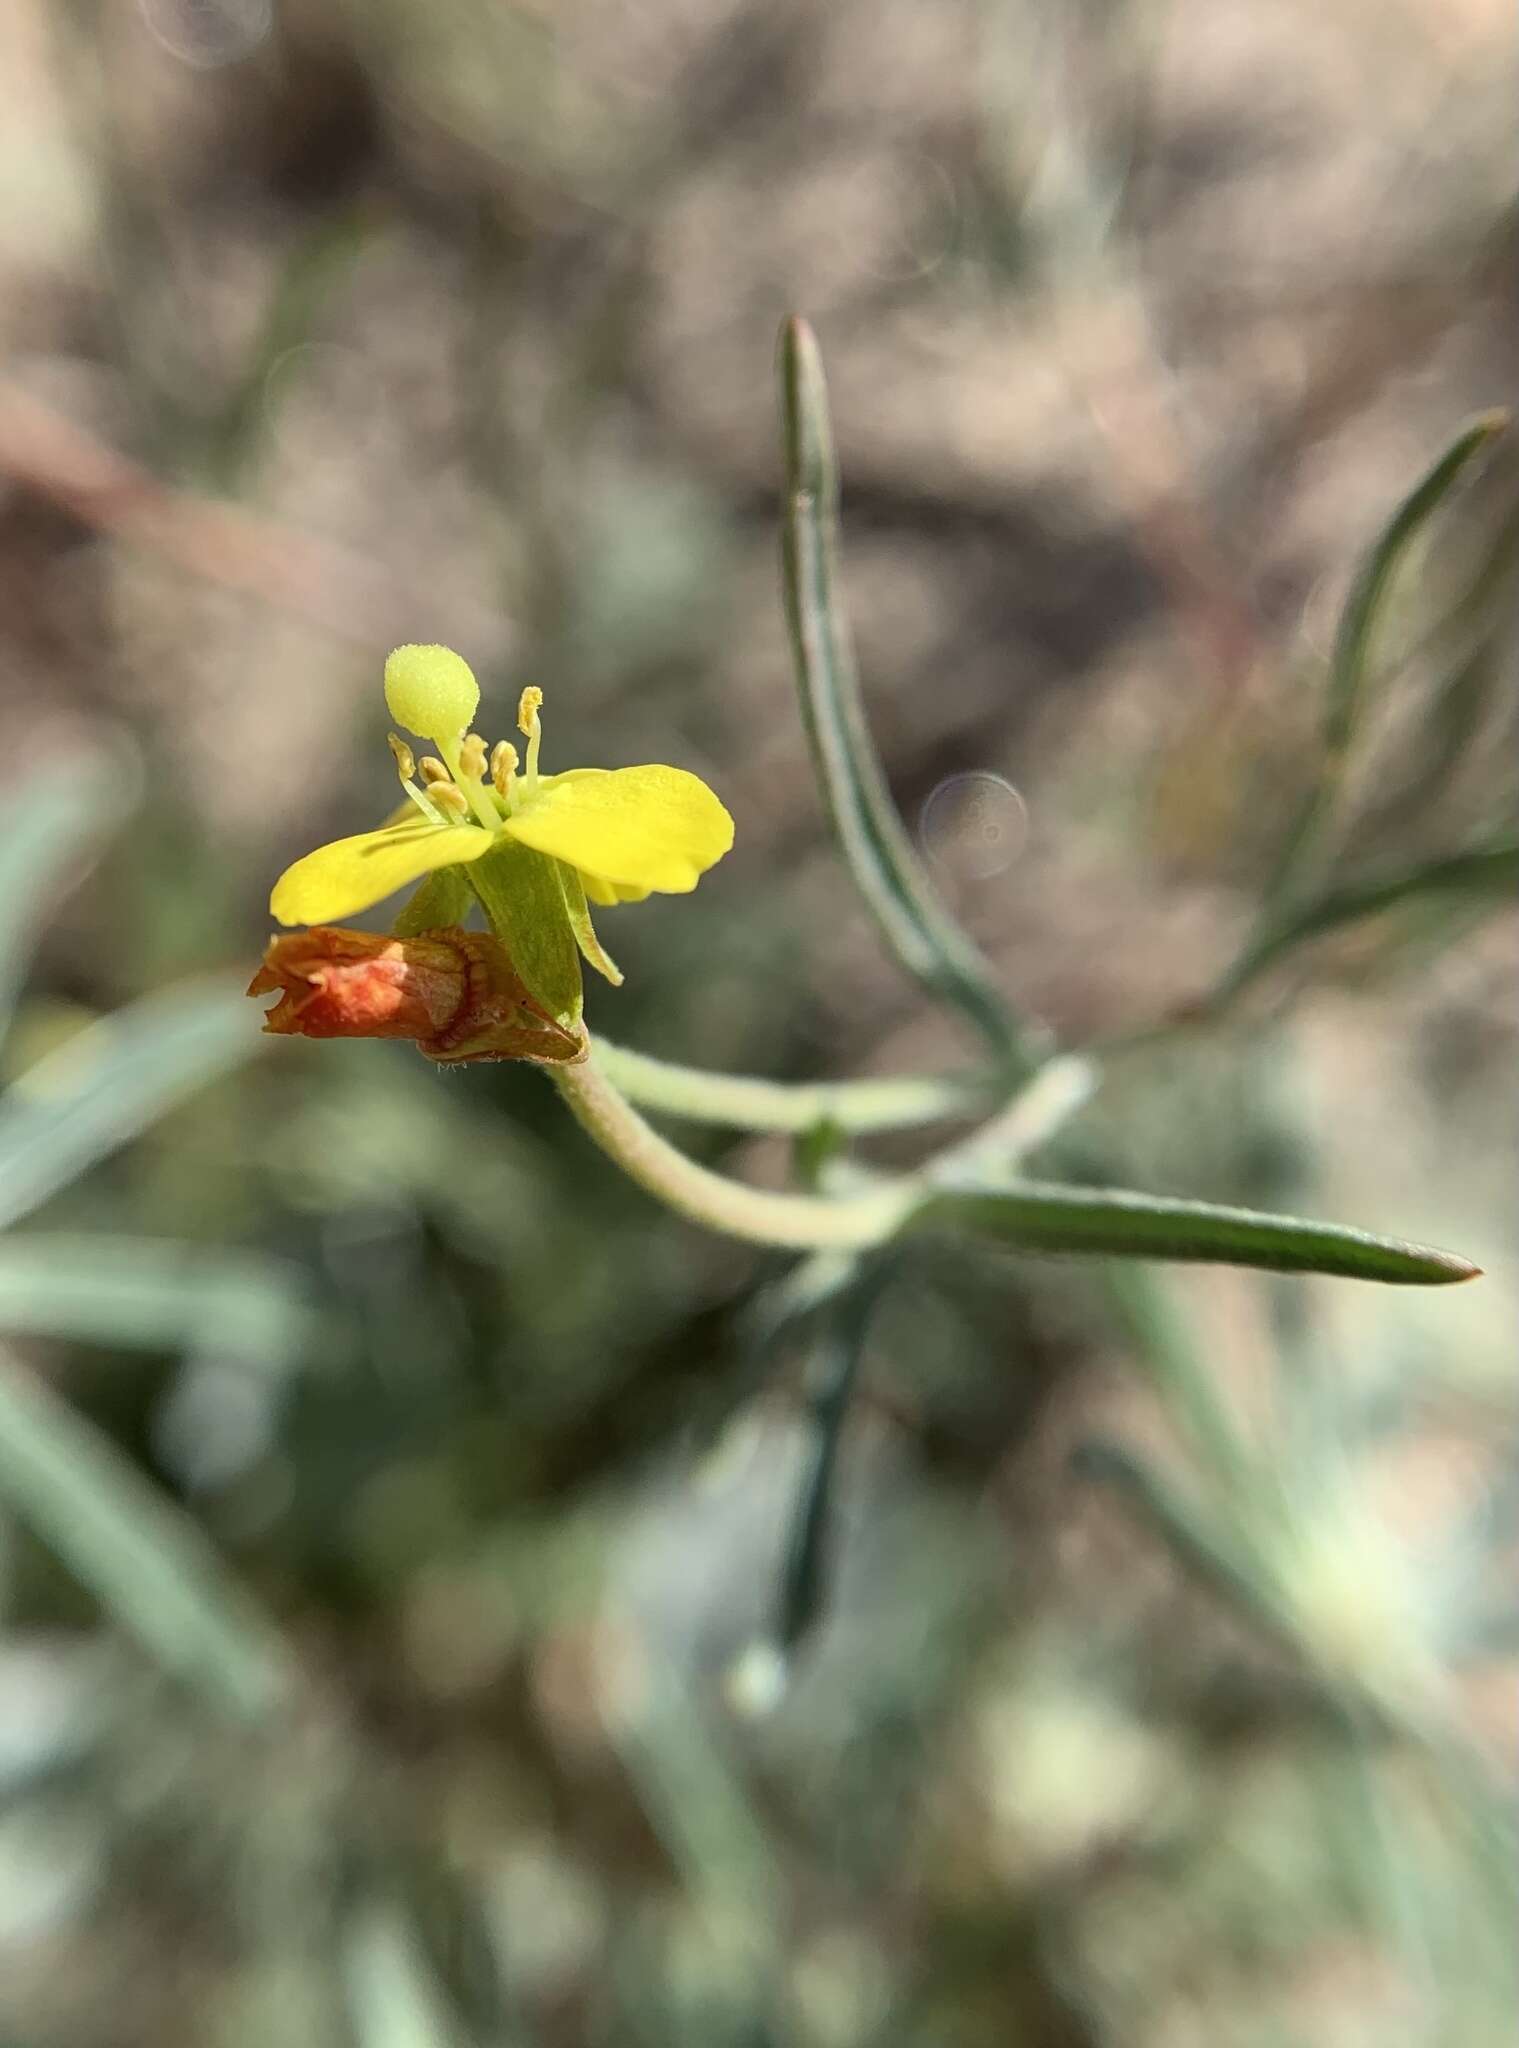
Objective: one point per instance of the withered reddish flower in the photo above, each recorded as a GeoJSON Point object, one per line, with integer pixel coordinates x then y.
{"type": "Point", "coordinates": [455, 993]}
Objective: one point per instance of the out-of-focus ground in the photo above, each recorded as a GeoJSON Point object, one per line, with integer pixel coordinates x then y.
{"type": "Point", "coordinates": [328, 326]}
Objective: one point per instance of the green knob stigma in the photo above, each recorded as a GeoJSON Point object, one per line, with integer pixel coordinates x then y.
{"type": "Point", "coordinates": [432, 691]}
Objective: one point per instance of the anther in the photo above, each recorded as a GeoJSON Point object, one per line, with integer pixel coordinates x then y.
{"type": "Point", "coordinates": [449, 799]}
{"type": "Point", "coordinates": [528, 706]}
{"type": "Point", "coordinates": [433, 771]}
{"type": "Point", "coordinates": [503, 768]}
{"type": "Point", "coordinates": [406, 761]}
{"type": "Point", "coordinates": [472, 757]}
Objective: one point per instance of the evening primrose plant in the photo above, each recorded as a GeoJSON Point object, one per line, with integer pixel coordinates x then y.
{"type": "Point", "coordinates": [485, 829]}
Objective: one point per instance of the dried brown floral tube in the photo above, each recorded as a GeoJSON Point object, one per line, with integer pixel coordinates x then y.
{"type": "Point", "coordinates": [454, 993]}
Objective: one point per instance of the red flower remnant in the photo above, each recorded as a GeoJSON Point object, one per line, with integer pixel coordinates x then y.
{"type": "Point", "coordinates": [456, 993]}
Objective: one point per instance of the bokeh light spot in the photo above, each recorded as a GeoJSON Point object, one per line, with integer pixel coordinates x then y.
{"type": "Point", "coordinates": [974, 825]}
{"type": "Point", "coordinates": [209, 33]}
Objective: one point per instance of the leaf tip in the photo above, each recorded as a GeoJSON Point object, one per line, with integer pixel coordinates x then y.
{"type": "Point", "coordinates": [804, 407]}
{"type": "Point", "coordinates": [1445, 1269]}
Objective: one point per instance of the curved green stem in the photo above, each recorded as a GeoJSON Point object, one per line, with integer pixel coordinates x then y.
{"type": "Point", "coordinates": [952, 1192]}
{"type": "Point", "coordinates": [803, 1222]}
{"type": "Point", "coordinates": [748, 1103]}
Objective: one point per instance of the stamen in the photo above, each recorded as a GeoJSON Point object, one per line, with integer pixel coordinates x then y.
{"type": "Point", "coordinates": [466, 761]}
{"type": "Point", "coordinates": [451, 800]}
{"type": "Point", "coordinates": [528, 705]}
{"type": "Point", "coordinates": [433, 771]}
{"type": "Point", "coordinates": [503, 768]}
{"type": "Point", "coordinates": [406, 768]}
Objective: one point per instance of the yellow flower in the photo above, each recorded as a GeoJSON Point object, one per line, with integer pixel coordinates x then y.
{"type": "Point", "coordinates": [625, 832]}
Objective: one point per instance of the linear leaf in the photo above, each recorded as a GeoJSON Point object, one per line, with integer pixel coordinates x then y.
{"type": "Point", "coordinates": [44, 841]}
{"type": "Point", "coordinates": [834, 1368]}
{"type": "Point", "coordinates": [881, 859]}
{"type": "Point", "coordinates": [1156, 1326]}
{"type": "Point", "coordinates": [811, 1284]}
{"type": "Point", "coordinates": [1350, 661]}
{"type": "Point", "coordinates": [112, 1080]}
{"type": "Point", "coordinates": [147, 1564]}
{"type": "Point", "coordinates": [1358, 622]}
{"type": "Point", "coordinates": [1213, 1553]}
{"type": "Point", "coordinates": [395, 1999]}
{"type": "Point", "coordinates": [150, 1293]}
{"type": "Point", "coordinates": [1481, 871]}
{"type": "Point", "coordinates": [697, 1798]}
{"type": "Point", "coordinates": [1040, 1216]}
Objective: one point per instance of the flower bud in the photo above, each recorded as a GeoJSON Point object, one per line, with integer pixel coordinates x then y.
{"type": "Point", "coordinates": [431, 690]}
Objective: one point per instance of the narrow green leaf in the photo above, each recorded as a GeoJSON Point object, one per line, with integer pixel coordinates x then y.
{"type": "Point", "coordinates": [1210, 1552]}
{"type": "Point", "coordinates": [112, 1080]}
{"type": "Point", "coordinates": [151, 1293]}
{"type": "Point", "coordinates": [1459, 708]}
{"type": "Point", "coordinates": [1155, 1324]}
{"type": "Point", "coordinates": [800, 1292]}
{"type": "Point", "coordinates": [45, 841]}
{"type": "Point", "coordinates": [444, 898]}
{"type": "Point", "coordinates": [1481, 871]}
{"type": "Point", "coordinates": [521, 895]}
{"type": "Point", "coordinates": [1350, 662]}
{"type": "Point", "coordinates": [394, 1997]}
{"type": "Point", "coordinates": [147, 1564]}
{"type": "Point", "coordinates": [885, 868]}
{"type": "Point", "coordinates": [1038, 1216]}
{"type": "Point", "coordinates": [834, 1369]}
{"type": "Point", "coordinates": [1363, 607]}
{"type": "Point", "coordinates": [698, 1799]}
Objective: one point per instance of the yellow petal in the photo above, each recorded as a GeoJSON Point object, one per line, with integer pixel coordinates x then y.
{"type": "Point", "coordinates": [606, 893]}
{"type": "Point", "coordinates": [628, 828]}
{"type": "Point", "coordinates": [351, 874]}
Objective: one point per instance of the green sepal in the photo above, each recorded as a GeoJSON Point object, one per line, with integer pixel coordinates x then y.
{"type": "Point", "coordinates": [596, 955]}
{"type": "Point", "coordinates": [442, 898]}
{"type": "Point", "coordinates": [523, 899]}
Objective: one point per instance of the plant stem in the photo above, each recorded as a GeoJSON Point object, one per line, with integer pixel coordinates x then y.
{"type": "Point", "coordinates": [803, 1222]}
{"type": "Point", "coordinates": [749, 1103]}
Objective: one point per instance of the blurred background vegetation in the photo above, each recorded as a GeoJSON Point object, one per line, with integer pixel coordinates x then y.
{"type": "Point", "coordinates": [394, 1503]}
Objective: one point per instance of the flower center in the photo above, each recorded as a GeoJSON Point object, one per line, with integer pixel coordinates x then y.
{"type": "Point", "coordinates": [473, 779]}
